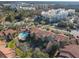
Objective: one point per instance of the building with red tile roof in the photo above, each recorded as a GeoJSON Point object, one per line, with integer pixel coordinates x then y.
{"type": "Point", "coordinates": [55, 37]}
{"type": "Point", "coordinates": [39, 32]}
{"type": "Point", "coordinates": [2, 44]}
{"type": "Point", "coordinates": [2, 55]}
{"type": "Point", "coordinates": [11, 31]}
{"type": "Point", "coordinates": [69, 51]}
{"type": "Point", "coordinates": [8, 52]}
{"type": "Point", "coordinates": [61, 37]}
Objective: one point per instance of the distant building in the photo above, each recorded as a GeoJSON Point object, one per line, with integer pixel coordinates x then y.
{"type": "Point", "coordinates": [25, 6]}
{"type": "Point", "coordinates": [6, 4]}
{"type": "Point", "coordinates": [56, 15]}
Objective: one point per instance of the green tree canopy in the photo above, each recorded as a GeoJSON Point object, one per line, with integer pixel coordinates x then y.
{"type": "Point", "coordinates": [39, 54]}
{"type": "Point", "coordinates": [8, 18]}
{"type": "Point", "coordinates": [12, 44]}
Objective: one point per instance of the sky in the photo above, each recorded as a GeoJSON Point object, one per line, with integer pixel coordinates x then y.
{"type": "Point", "coordinates": [39, 0]}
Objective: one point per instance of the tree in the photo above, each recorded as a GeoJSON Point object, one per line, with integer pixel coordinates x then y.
{"type": "Point", "coordinates": [75, 21]}
{"type": "Point", "coordinates": [19, 52]}
{"type": "Point", "coordinates": [22, 54]}
{"type": "Point", "coordinates": [8, 18]}
{"type": "Point", "coordinates": [42, 22]}
{"type": "Point", "coordinates": [63, 43]}
{"type": "Point", "coordinates": [12, 44]}
{"type": "Point", "coordinates": [71, 25]}
{"type": "Point", "coordinates": [39, 54]}
{"type": "Point", "coordinates": [68, 29]}
{"type": "Point", "coordinates": [54, 48]}
{"type": "Point", "coordinates": [19, 17]}
{"type": "Point", "coordinates": [1, 38]}
{"type": "Point", "coordinates": [1, 27]}
{"type": "Point", "coordinates": [62, 24]}
{"type": "Point", "coordinates": [28, 54]}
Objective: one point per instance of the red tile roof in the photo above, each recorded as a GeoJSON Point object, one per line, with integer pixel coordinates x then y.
{"type": "Point", "coordinates": [2, 43]}
{"type": "Point", "coordinates": [73, 50]}
{"type": "Point", "coordinates": [1, 34]}
{"type": "Point", "coordinates": [60, 37]}
{"type": "Point", "coordinates": [8, 52]}
{"type": "Point", "coordinates": [8, 31]}
{"type": "Point", "coordinates": [39, 32]}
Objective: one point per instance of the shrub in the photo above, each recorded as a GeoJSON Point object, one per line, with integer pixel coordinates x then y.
{"type": "Point", "coordinates": [19, 52]}
{"type": "Point", "coordinates": [11, 44]}
{"type": "Point", "coordinates": [39, 54]}
{"type": "Point", "coordinates": [22, 54]}
{"type": "Point", "coordinates": [8, 18]}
